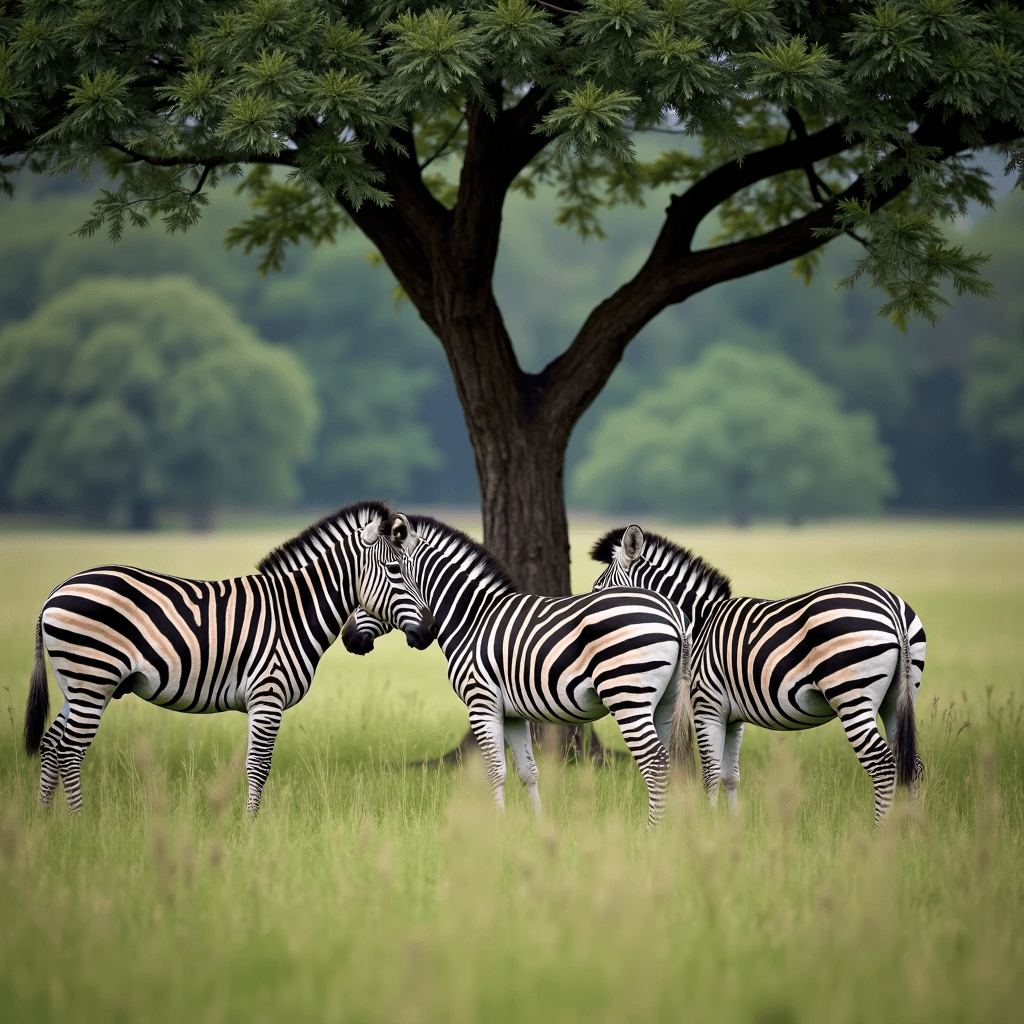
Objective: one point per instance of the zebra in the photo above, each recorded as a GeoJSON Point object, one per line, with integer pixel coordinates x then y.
{"type": "Point", "coordinates": [515, 658]}
{"type": "Point", "coordinates": [853, 651]}
{"type": "Point", "coordinates": [246, 644]}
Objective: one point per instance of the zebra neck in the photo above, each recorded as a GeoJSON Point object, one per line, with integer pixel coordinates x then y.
{"type": "Point", "coordinates": [321, 593]}
{"type": "Point", "coordinates": [457, 601]}
{"type": "Point", "coordinates": [691, 595]}
{"type": "Point", "coordinates": [700, 607]}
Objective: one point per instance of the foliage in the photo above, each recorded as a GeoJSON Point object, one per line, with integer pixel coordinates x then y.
{"type": "Point", "coordinates": [124, 392]}
{"type": "Point", "coordinates": [993, 402]}
{"type": "Point", "coordinates": [373, 369]}
{"type": "Point", "coordinates": [739, 433]}
{"type": "Point", "coordinates": [336, 313]}
{"type": "Point", "coordinates": [177, 97]}
{"type": "Point", "coordinates": [378, 378]}
{"type": "Point", "coordinates": [368, 892]}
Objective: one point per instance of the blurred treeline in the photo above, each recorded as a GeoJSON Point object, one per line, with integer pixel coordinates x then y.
{"type": "Point", "coordinates": [762, 396]}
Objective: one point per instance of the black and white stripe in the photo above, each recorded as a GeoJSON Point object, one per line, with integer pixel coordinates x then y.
{"type": "Point", "coordinates": [853, 651]}
{"type": "Point", "coordinates": [515, 658]}
{"type": "Point", "coordinates": [247, 644]}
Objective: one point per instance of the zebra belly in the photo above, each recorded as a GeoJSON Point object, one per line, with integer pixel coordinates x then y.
{"type": "Point", "coordinates": [145, 683]}
{"type": "Point", "coordinates": [800, 706]}
{"type": "Point", "coordinates": [575, 704]}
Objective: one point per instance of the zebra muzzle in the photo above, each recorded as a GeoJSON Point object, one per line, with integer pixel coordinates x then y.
{"type": "Point", "coordinates": [423, 634]}
{"type": "Point", "coordinates": [356, 640]}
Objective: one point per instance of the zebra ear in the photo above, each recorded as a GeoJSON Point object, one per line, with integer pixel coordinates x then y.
{"type": "Point", "coordinates": [401, 534]}
{"type": "Point", "coordinates": [632, 545]}
{"type": "Point", "coordinates": [371, 531]}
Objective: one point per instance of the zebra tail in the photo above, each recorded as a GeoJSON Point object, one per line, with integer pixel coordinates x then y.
{"type": "Point", "coordinates": [681, 737]}
{"type": "Point", "coordinates": [906, 728]}
{"type": "Point", "coordinates": [37, 708]}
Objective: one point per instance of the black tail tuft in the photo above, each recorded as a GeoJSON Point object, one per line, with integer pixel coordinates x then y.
{"type": "Point", "coordinates": [906, 728]}
{"type": "Point", "coordinates": [37, 708]}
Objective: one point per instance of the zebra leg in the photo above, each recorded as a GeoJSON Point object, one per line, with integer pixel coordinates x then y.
{"type": "Point", "coordinates": [517, 736]}
{"type": "Point", "coordinates": [264, 722]}
{"type": "Point", "coordinates": [85, 709]}
{"type": "Point", "coordinates": [489, 730]}
{"type": "Point", "coordinates": [49, 769]}
{"type": "Point", "coordinates": [710, 729]}
{"type": "Point", "coordinates": [651, 755]}
{"type": "Point", "coordinates": [860, 722]}
{"type": "Point", "coordinates": [731, 760]}
{"type": "Point", "coordinates": [663, 718]}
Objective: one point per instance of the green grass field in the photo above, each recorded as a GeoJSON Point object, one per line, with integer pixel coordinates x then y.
{"type": "Point", "coordinates": [368, 890]}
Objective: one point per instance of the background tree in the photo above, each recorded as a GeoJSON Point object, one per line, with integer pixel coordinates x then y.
{"type": "Point", "coordinates": [993, 402]}
{"type": "Point", "coordinates": [139, 394]}
{"type": "Point", "coordinates": [337, 313]}
{"type": "Point", "coordinates": [741, 433]}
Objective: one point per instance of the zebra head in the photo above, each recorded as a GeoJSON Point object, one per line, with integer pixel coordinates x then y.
{"type": "Point", "coordinates": [362, 627]}
{"type": "Point", "coordinates": [624, 561]}
{"type": "Point", "coordinates": [386, 591]}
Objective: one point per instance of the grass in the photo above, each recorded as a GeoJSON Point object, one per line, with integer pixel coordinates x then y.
{"type": "Point", "coordinates": [368, 890]}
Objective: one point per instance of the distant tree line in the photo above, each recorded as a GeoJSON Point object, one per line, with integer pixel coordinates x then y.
{"type": "Point", "coordinates": [139, 394]}
{"type": "Point", "coordinates": [931, 420]}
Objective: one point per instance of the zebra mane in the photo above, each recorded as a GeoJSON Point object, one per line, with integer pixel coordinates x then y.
{"type": "Point", "coordinates": [475, 559]}
{"type": "Point", "coordinates": [324, 534]}
{"type": "Point", "coordinates": [670, 557]}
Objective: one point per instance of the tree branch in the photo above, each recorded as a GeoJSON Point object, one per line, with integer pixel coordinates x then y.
{"type": "Point", "coordinates": [686, 211]}
{"type": "Point", "coordinates": [819, 190]}
{"type": "Point", "coordinates": [578, 374]}
{"type": "Point", "coordinates": [408, 230]}
{"type": "Point", "coordinates": [552, 7]}
{"type": "Point", "coordinates": [444, 145]}
{"type": "Point", "coordinates": [285, 159]}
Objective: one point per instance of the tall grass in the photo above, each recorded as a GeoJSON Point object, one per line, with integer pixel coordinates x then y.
{"type": "Point", "coordinates": [371, 890]}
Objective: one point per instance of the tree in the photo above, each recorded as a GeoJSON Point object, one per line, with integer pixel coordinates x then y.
{"type": "Point", "coordinates": [792, 121]}
{"type": "Point", "coordinates": [372, 438]}
{"type": "Point", "coordinates": [137, 394]}
{"type": "Point", "coordinates": [740, 433]}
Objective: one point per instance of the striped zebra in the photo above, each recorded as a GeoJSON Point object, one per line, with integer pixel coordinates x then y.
{"type": "Point", "coordinates": [515, 658]}
{"type": "Point", "coordinates": [853, 651]}
{"type": "Point", "coordinates": [247, 644]}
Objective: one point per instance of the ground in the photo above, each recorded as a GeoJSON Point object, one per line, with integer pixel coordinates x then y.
{"type": "Point", "coordinates": [369, 890]}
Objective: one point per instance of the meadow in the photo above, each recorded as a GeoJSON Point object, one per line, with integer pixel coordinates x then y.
{"type": "Point", "coordinates": [369, 889]}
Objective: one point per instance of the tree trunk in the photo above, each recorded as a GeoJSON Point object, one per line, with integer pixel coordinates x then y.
{"type": "Point", "coordinates": [521, 474]}
{"type": "Point", "coordinates": [519, 448]}
{"type": "Point", "coordinates": [523, 506]}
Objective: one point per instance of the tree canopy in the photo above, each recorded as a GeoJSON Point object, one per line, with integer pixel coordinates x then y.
{"type": "Point", "coordinates": [856, 102]}
{"type": "Point", "coordinates": [138, 394]}
{"type": "Point", "coordinates": [741, 433]}
{"type": "Point", "coordinates": [792, 121]}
